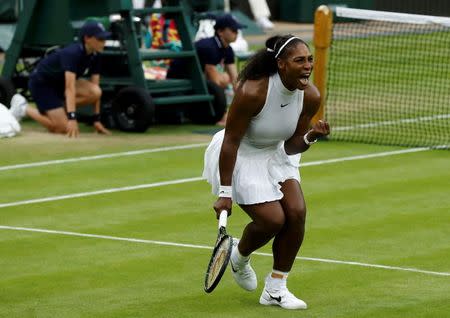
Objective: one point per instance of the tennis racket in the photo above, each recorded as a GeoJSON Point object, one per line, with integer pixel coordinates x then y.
{"type": "Point", "coordinates": [220, 255]}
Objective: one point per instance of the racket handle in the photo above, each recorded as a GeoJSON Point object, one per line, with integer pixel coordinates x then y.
{"type": "Point", "coordinates": [223, 218]}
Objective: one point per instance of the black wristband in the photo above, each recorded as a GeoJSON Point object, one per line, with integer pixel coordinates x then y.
{"type": "Point", "coordinates": [71, 115]}
{"type": "Point", "coordinates": [96, 117]}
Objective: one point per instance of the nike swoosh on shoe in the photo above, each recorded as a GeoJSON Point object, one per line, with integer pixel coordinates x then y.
{"type": "Point", "coordinates": [232, 267]}
{"type": "Point", "coordinates": [275, 298]}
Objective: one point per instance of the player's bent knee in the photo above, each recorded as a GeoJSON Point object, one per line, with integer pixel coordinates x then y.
{"type": "Point", "coordinates": [297, 215]}
{"type": "Point", "coordinates": [275, 224]}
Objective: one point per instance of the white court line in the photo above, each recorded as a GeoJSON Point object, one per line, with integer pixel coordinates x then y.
{"type": "Point", "coordinates": [112, 190]}
{"type": "Point", "coordinates": [170, 182]}
{"type": "Point", "coordinates": [367, 156]}
{"type": "Point", "coordinates": [393, 122]}
{"type": "Point", "coordinates": [152, 150]}
{"type": "Point", "coordinates": [104, 156]}
{"type": "Point", "coordinates": [126, 239]}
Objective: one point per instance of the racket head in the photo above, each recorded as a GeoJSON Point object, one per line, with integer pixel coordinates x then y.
{"type": "Point", "coordinates": [218, 262]}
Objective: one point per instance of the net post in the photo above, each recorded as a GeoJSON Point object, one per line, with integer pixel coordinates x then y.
{"type": "Point", "coordinates": [323, 23]}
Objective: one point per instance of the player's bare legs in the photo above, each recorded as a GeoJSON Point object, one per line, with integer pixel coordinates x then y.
{"type": "Point", "coordinates": [265, 224]}
{"type": "Point", "coordinates": [267, 220]}
{"type": "Point", "coordinates": [284, 220]}
{"type": "Point", "coordinates": [285, 247]}
{"type": "Point", "coordinates": [287, 242]}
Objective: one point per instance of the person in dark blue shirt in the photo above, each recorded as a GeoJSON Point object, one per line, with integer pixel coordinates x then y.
{"type": "Point", "coordinates": [213, 52]}
{"type": "Point", "coordinates": [58, 83]}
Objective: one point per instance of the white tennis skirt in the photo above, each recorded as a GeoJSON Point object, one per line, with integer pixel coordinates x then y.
{"type": "Point", "coordinates": [257, 173]}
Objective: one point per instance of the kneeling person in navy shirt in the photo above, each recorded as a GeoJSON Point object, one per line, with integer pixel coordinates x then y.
{"type": "Point", "coordinates": [58, 89]}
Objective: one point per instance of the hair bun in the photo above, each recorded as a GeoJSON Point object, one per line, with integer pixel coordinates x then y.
{"type": "Point", "coordinates": [270, 43]}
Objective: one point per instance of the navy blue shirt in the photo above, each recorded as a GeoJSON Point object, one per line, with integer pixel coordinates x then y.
{"type": "Point", "coordinates": [72, 58]}
{"type": "Point", "coordinates": [209, 51]}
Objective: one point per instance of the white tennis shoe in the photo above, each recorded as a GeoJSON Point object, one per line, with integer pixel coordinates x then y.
{"type": "Point", "coordinates": [18, 106]}
{"type": "Point", "coordinates": [283, 298]}
{"type": "Point", "coordinates": [243, 273]}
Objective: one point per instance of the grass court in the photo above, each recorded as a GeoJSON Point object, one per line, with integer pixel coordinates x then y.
{"type": "Point", "coordinates": [129, 234]}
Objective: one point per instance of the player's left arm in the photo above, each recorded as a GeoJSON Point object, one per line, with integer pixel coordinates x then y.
{"type": "Point", "coordinates": [304, 130]}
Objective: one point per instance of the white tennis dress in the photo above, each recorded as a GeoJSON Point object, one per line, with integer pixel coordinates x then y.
{"type": "Point", "coordinates": [262, 162]}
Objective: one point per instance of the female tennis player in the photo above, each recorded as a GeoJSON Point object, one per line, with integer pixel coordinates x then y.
{"type": "Point", "coordinates": [254, 161]}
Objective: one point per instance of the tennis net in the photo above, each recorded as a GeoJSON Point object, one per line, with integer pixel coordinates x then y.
{"type": "Point", "coordinates": [389, 78]}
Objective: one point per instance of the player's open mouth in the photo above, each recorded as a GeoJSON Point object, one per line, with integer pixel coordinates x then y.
{"type": "Point", "coordinates": [304, 80]}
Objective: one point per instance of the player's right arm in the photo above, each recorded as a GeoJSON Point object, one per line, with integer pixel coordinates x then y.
{"type": "Point", "coordinates": [248, 101]}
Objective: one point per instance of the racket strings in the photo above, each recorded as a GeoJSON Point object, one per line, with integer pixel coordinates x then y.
{"type": "Point", "coordinates": [219, 261]}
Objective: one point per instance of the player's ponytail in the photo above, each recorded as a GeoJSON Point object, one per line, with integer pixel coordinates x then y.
{"type": "Point", "coordinates": [262, 64]}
